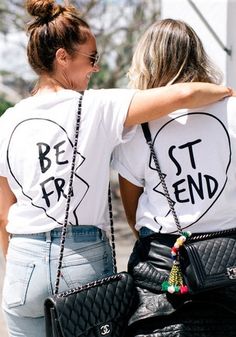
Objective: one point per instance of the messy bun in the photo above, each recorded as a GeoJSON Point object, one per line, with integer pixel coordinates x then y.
{"type": "Point", "coordinates": [43, 9]}
{"type": "Point", "coordinates": [53, 26]}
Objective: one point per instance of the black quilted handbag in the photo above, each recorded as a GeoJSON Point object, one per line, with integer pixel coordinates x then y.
{"type": "Point", "coordinates": [208, 260]}
{"type": "Point", "coordinates": [201, 262]}
{"type": "Point", "coordinates": [99, 308]}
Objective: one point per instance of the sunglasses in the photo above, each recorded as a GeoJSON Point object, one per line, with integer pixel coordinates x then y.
{"type": "Point", "coordinates": [94, 59]}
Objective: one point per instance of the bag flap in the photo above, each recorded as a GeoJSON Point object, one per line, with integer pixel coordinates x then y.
{"type": "Point", "coordinates": [99, 306]}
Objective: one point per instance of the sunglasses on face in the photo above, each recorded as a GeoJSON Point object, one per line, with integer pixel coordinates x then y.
{"type": "Point", "coordinates": [94, 59]}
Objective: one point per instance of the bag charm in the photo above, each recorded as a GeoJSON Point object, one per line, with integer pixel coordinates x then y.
{"type": "Point", "coordinates": [175, 283]}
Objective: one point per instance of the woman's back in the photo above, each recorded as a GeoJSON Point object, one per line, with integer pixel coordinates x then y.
{"type": "Point", "coordinates": [196, 150]}
{"type": "Point", "coordinates": [37, 150]}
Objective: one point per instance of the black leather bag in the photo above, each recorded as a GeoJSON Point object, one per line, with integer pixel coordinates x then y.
{"type": "Point", "coordinates": [100, 308]}
{"type": "Point", "coordinates": [208, 261]}
{"type": "Point", "coordinates": [160, 314]}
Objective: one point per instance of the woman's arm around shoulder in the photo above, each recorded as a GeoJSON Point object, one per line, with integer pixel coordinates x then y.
{"type": "Point", "coordinates": [7, 198]}
{"type": "Point", "coordinates": [153, 103]}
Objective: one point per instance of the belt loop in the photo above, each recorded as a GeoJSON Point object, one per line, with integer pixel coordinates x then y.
{"type": "Point", "coordinates": [48, 236]}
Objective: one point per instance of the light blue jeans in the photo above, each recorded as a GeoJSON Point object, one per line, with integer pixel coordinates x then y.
{"type": "Point", "coordinates": [31, 272]}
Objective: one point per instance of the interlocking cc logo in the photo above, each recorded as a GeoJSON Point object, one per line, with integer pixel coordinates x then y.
{"type": "Point", "coordinates": [231, 271]}
{"type": "Point", "coordinates": [105, 330]}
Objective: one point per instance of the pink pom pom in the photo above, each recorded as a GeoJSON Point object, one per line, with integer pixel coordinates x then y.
{"type": "Point", "coordinates": [174, 250]}
{"type": "Point", "coordinates": [183, 289]}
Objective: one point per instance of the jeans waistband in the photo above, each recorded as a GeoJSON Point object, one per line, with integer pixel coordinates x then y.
{"type": "Point", "coordinates": [72, 231]}
{"type": "Point", "coordinates": [144, 231]}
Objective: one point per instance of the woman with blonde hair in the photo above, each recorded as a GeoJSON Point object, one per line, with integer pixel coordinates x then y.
{"type": "Point", "coordinates": [196, 154]}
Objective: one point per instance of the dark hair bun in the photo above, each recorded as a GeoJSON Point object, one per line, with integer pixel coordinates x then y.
{"type": "Point", "coordinates": [41, 8]}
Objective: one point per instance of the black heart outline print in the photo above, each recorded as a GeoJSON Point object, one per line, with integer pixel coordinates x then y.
{"type": "Point", "coordinates": [192, 145]}
{"type": "Point", "coordinates": [84, 186]}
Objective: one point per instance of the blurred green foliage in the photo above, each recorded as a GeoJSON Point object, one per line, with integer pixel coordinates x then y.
{"type": "Point", "coordinates": [4, 105]}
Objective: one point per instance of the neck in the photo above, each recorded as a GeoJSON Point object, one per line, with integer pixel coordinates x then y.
{"type": "Point", "coordinates": [47, 83]}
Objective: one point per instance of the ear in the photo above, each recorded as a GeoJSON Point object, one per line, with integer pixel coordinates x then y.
{"type": "Point", "coordinates": [62, 57]}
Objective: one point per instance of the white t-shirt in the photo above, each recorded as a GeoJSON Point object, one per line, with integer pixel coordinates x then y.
{"type": "Point", "coordinates": [36, 138]}
{"type": "Point", "coordinates": [197, 154]}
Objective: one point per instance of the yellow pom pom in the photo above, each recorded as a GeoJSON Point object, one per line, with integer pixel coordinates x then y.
{"type": "Point", "coordinates": [179, 241]}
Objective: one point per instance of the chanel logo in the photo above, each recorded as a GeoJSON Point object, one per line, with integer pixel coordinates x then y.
{"type": "Point", "coordinates": [105, 330]}
{"type": "Point", "coordinates": [231, 271]}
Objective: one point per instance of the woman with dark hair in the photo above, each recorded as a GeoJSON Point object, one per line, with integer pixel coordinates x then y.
{"type": "Point", "coordinates": [36, 138]}
{"type": "Point", "coordinates": [196, 152]}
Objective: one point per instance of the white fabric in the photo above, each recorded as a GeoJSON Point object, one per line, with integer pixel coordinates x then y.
{"type": "Point", "coordinates": [197, 153]}
{"type": "Point", "coordinates": [36, 138]}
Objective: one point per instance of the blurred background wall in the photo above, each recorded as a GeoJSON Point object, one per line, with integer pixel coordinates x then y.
{"type": "Point", "coordinates": [214, 22]}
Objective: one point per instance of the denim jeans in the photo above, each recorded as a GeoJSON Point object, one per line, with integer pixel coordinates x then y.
{"type": "Point", "coordinates": [144, 231]}
{"type": "Point", "coordinates": [31, 268]}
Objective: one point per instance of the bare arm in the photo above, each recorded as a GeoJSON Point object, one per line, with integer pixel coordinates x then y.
{"type": "Point", "coordinates": [151, 104]}
{"type": "Point", "coordinates": [130, 194]}
{"type": "Point", "coordinates": [7, 198]}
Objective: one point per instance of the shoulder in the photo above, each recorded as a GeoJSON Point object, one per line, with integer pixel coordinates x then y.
{"type": "Point", "coordinates": [7, 116]}
{"type": "Point", "coordinates": [134, 146]}
{"type": "Point", "coordinates": [231, 102]}
{"type": "Point", "coordinates": [109, 95]}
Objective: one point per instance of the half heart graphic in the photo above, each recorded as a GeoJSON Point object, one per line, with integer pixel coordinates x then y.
{"type": "Point", "coordinates": [194, 161]}
{"type": "Point", "coordinates": [42, 160]}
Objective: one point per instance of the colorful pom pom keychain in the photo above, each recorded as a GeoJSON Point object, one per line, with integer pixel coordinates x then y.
{"type": "Point", "coordinates": [175, 283]}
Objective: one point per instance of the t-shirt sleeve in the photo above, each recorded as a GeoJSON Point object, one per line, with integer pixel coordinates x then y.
{"type": "Point", "coordinates": [112, 106]}
{"type": "Point", "coordinates": [3, 144]}
{"type": "Point", "coordinates": [129, 159]}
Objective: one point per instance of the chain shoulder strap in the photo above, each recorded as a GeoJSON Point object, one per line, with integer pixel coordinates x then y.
{"type": "Point", "coordinates": [148, 137]}
{"type": "Point", "coordinates": [113, 247]}
{"type": "Point", "coordinates": [70, 191]}
{"type": "Point", "coordinates": [68, 200]}
{"type": "Point", "coordinates": [175, 283]}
